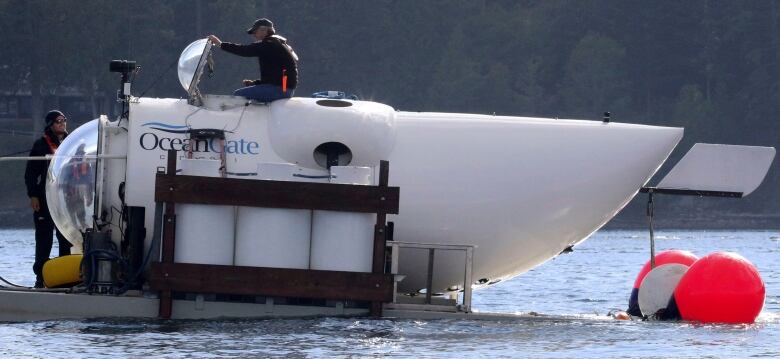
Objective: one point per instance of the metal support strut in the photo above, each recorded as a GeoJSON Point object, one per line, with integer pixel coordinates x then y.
{"type": "Point", "coordinates": [678, 192]}
{"type": "Point", "coordinates": [650, 221]}
{"type": "Point", "coordinates": [429, 277]}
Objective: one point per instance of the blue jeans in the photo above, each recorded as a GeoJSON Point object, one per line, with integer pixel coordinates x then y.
{"type": "Point", "coordinates": [263, 92]}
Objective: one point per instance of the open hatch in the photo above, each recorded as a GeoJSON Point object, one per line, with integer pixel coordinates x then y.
{"type": "Point", "coordinates": [194, 60]}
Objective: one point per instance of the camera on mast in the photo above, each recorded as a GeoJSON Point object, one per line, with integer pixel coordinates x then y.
{"type": "Point", "coordinates": [124, 67]}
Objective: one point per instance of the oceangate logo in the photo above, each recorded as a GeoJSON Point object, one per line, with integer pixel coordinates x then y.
{"type": "Point", "coordinates": [151, 141]}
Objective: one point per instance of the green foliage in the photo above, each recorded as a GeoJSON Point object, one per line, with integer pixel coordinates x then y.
{"type": "Point", "coordinates": [692, 106]}
{"type": "Point", "coordinates": [595, 77]}
{"type": "Point", "coordinates": [712, 66]}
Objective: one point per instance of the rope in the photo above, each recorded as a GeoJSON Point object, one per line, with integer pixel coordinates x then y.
{"type": "Point", "coordinates": [157, 79]}
{"type": "Point", "coordinates": [14, 153]}
{"type": "Point", "coordinates": [51, 157]}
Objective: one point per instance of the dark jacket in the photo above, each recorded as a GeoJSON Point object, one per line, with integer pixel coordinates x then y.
{"type": "Point", "coordinates": [35, 173]}
{"type": "Point", "coordinates": [274, 58]}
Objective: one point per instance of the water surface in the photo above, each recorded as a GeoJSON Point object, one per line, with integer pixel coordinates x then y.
{"type": "Point", "coordinates": [582, 286]}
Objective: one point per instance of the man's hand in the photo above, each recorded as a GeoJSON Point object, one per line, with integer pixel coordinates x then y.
{"type": "Point", "coordinates": [35, 204]}
{"type": "Point", "coordinates": [249, 82]}
{"type": "Point", "coordinates": [215, 40]}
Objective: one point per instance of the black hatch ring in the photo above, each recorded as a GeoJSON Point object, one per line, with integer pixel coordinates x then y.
{"type": "Point", "coordinates": [334, 103]}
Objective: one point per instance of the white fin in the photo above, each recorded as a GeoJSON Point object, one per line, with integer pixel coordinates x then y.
{"type": "Point", "coordinates": [716, 167]}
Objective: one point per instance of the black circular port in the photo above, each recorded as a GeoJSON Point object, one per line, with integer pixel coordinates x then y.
{"type": "Point", "coordinates": [332, 154]}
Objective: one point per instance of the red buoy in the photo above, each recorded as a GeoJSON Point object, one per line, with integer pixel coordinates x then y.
{"type": "Point", "coordinates": [671, 256]}
{"type": "Point", "coordinates": [722, 287]}
{"type": "Point", "coordinates": [678, 256]}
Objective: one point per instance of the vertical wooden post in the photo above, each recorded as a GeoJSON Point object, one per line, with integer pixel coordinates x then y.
{"type": "Point", "coordinates": [378, 261]}
{"type": "Point", "coordinates": [169, 240]}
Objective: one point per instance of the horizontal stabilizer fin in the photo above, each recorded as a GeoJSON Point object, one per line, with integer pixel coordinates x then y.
{"type": "Point", "coordinates": [720, 168]}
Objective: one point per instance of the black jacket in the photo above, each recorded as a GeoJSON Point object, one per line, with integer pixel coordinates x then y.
{"type": "Point", "coordinates": [274, 58]}
{"type": "Point", "coordinates": [35, 173]}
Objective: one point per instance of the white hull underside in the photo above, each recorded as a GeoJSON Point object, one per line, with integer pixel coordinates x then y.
{"type": "Point", "coordinates": [520, 189]}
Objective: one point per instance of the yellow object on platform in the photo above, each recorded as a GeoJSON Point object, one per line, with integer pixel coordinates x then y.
{"type": "Point", "coordinates": [62, 271]}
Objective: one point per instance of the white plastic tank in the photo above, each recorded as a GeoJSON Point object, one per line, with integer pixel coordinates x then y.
{"type": "Point", "coordinates": [276, 237]}
{"type": "Point", "coordinates": [344, 241]}
{"type": "Point", "coordinates": [204, 233]}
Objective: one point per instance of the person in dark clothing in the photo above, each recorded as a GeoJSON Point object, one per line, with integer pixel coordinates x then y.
{"type": "Point", "coordinates": [35, 179]}
{"type": "Point", "coordinates": [278, 63]}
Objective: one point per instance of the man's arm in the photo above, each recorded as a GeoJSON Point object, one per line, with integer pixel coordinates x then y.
{"type": "Point", "coordinates": [250, 50]}
{"type": "Point", "coordinates": [32, 174]}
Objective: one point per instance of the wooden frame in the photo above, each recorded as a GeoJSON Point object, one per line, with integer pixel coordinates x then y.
{"type": "Point", "coordinates": [276, 282]}
{"type": "Point", "coordinates": [167, 276]}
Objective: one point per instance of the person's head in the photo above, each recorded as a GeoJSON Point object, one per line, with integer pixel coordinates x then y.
{"type": "Point", "coordinates": [261, 29]}
{"type": "Point", "coordinates": [56, 122]}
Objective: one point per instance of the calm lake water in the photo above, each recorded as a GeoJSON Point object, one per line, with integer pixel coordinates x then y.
{"type": "Point", "coordinates": [577, 290]}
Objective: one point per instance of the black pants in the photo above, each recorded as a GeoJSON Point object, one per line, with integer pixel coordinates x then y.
{"type": "Point", "coordinates": [44, 227]}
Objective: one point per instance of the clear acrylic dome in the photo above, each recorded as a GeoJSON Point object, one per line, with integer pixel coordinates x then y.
{"type": "Point", "coordinates": [70, 183]}
{"type": "Point", "coordinates": [188, 62]}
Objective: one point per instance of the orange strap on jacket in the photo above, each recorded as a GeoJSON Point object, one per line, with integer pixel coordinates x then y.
{"type": "Point", "coordinates": [52, 145]}
{"type": "Point", "coordinates": [284, 80]}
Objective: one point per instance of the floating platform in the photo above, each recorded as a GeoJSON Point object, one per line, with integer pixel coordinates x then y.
{"type": "Point", "coordinates": [29, 304]}
{"type": "Point", "coordinates": [41, 304]}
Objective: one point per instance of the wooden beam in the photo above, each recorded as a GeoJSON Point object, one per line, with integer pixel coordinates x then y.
{"type": "Point", "coordinates": [168, 238]}
{"type": "Point", "coordinates": [276, 194]}
{"type": "Point", "coordinates": [380, 236]}
{"type": "Point", "coordinates": [276, 282]}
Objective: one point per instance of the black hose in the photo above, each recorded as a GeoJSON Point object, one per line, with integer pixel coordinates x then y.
{"type": "Point", "coordinates": [140, 270]}
{"type": "Point", "coordinates": [11, 284]}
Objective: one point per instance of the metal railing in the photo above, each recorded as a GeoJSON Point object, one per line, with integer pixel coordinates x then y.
{"type": "Point", "coordinates": [51, 157]}
{"type": "Point", "coordinates": [432, 247]}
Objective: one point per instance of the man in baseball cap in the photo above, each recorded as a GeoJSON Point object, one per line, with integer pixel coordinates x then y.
{"type": "Point", "coordinates": [260, 22]}
{"type": "Point", "coordinates": [278, 63]}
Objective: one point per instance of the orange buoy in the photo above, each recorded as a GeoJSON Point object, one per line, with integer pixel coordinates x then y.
{"type": "Point", "coordinates": [721, 287]}
{"type": "Point", "coordinates": [677, 256]}
{"type": "Point", "coordinates": [621, 315]}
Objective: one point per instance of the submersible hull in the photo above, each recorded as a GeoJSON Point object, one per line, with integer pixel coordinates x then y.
{"type": "Point", "coordinates": [520, 189]}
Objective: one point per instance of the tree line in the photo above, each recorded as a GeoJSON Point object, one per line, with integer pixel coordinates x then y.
{"type": "Point", "coordinates": [712, 66]}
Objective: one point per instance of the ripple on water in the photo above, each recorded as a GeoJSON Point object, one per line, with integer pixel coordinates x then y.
{"type": "Point", "coordinates": [577, 289]}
